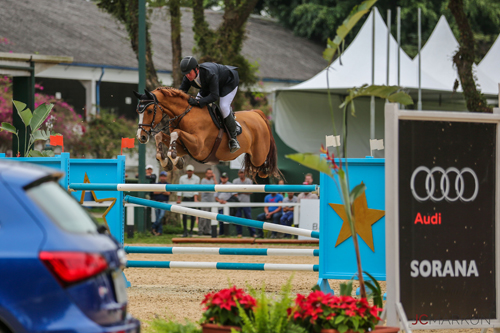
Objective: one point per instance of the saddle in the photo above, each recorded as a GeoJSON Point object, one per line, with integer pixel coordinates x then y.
{"type": "Point", "coordinates": [216, 115]}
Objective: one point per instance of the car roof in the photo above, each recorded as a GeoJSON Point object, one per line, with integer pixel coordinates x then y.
{"type": "Point", "coordinates": [22, 173]}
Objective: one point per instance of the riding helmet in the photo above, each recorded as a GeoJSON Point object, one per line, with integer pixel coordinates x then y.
{"type": "Point", "coordinates": [188, 64]}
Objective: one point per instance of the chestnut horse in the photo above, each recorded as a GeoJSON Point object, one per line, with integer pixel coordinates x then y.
{"type": "Point", "coordinates": [166, 114]}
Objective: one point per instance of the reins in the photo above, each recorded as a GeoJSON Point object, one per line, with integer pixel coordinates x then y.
{"type": "Point", "coordinates": [152, 127]}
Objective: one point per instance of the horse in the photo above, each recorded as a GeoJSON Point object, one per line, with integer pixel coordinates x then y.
{"type": "Point", "coordinates": [189, 130]}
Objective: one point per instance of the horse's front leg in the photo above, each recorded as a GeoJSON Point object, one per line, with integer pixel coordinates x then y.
{"type": "Point", "coordinates": [161, 155]}
{"type": "Point", "coordinates": [190, 141]}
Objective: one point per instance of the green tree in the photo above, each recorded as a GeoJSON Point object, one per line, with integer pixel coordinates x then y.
{"type": "Point", "coordinates": [103, 136]}
{"type": "Point", "coordinates": [174, 11]}
{"type": "Point", "coordinates": [224, 44]}
{"type": "Point", "coordinates": [464, 59]}
{"type": "Point", "coordinates": [127, 12]}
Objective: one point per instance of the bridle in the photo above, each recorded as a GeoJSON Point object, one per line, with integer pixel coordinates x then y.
{"type": "Point", "coordinates": [153, 130]}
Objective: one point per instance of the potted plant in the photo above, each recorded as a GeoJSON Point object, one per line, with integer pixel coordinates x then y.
{"type": "Point", "coordinates": [326, 313]}
{"type": "Point", "coordinates": [222, 312]}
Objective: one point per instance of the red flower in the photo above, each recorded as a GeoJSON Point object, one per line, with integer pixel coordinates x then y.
{"type": "Point", "coordinates": [221, 307]}
{"type": "Point", "coordinates": [330, 158]}
{"type": "Point", "coordinates": [318, 310]}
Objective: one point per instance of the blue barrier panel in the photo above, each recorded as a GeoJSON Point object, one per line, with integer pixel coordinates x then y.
{"type": "Point", "coordinates": [59, 162]}
{"type": "Point", "coordinates": [98, 171]}
{"type": "Point", "coordinates": [337, 258]}
{"type": "Point", "coordinates": [103, 171]}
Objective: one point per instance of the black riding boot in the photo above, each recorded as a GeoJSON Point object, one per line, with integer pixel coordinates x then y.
{"type": "Point", "coordinates": [234, 145]}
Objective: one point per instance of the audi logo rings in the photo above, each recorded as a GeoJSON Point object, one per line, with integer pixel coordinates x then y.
{"type": "Point", "coordinates": [444, 184]}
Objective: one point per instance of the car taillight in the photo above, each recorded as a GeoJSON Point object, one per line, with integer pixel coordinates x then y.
{"type": "Point", "coordinates": [71, 267]}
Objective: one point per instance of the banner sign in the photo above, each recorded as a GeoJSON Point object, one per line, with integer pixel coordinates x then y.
{"type": "Point", "coordinates": [446, 220]}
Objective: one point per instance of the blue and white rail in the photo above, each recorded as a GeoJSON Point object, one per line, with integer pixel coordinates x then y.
{"type": "Point", "coordinates": [222, 251]}
{"type": "Point", "coordinates": [223, 218]}
{"type": "Point", "coordinates": [194, 188]}
{"type": "Point", "coordinates": [223, 265]}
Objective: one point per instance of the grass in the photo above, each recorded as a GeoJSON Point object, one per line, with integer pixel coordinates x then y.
{"type": "Point", "coordinates": [144, 238]}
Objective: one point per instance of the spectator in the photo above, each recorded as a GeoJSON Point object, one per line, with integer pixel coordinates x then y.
{"type": "Point", "coordinates": [243, 197]}
{"type": "Point", "coordinates": [287, 217]}
{"type": "Point", "coordinates": [305, 195]}
{"type": "Point", "coordinates": [271, 213]}
{"type": "Point", "coordinates": [191, 179]}
{"type": "Point", "coordinates": [282, 182]}
{"type": "Point", "coordinates": [308, 179]}
{"type": "Point", "coordinates": [150, 178]}
{"type": "Point", "coordinates": [160, 196]}
{"type": "Point", "coordinates": [204, 225]}
{"type": "Point", "coordinates": [223, 198]}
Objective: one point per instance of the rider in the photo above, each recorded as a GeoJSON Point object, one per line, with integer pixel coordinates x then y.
{"type": "Point", "coordinates": [214, 81]}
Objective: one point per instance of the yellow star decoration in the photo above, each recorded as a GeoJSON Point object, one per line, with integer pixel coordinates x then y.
{"type": "Point", "coordinates": [87, 181]}
{"type": "Point", "coordinates": [364, 219]}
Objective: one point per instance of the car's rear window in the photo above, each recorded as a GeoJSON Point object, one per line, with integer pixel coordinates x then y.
{"type": "Point", "coordinates": [62, 208]}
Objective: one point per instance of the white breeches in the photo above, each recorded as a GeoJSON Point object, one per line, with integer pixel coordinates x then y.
{"type": "Point", "coordinates": [225, 103]}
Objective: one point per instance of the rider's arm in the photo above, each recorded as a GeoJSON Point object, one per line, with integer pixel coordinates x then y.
{"type": "Point", "coordinates": [185, 85]}
{"type": "Point", "coordinates": [213, 86]}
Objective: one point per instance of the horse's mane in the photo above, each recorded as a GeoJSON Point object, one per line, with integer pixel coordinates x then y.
{"type": "Point", "coordinates": [172, 92]}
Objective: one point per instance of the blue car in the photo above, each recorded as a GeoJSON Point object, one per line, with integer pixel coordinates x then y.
{"type": "Point", "coordinates": [59, 271]}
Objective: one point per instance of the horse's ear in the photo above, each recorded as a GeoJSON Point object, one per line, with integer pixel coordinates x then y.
{"type": "Point", "coordinates": [149, 94]}
{"type": "Point", "coordinates": [137, 95]}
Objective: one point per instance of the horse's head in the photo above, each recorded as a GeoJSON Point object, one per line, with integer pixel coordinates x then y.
{"type": "Point", "coordinates": [150, 115]}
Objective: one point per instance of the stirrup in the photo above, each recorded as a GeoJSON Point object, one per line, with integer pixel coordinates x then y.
{"type": "Point", "coordinates": [234, 146]}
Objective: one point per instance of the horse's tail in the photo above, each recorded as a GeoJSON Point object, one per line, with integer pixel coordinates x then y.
{"type": "Point", "coordinates": [270, 166]}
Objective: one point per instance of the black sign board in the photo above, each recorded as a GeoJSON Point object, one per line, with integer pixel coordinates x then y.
{"type": "Point", "coordinates": [447, 196]}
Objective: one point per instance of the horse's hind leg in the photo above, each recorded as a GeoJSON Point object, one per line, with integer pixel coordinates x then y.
{"type": "Point", "coordinates": [161, 154]}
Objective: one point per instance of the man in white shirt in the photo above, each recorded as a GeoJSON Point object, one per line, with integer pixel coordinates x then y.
{"type": "Point", "coordinates": [192, 179]}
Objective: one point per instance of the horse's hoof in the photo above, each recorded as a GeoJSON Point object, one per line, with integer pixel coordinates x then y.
{"type": "Point", "coordinates": [173, 154]}
{"type": "Point", "coordinates": [180, 164]}
{"type": "Point", "coordinates": [169, 166]}
{"type": "Point", "coordinates": [263, 174]}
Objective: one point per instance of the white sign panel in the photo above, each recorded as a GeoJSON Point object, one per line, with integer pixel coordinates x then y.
{"type": "Point", "coordinates": [309, 216]}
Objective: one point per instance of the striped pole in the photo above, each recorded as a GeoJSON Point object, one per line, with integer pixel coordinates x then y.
{"type": "Point", "coordinates": [222, 251]}
{"type": "Point", "coordinates": [223, 265]}
{"type": "Point", "coordinates": [223, 218]}
{"type": "Point", "coordinates": [194, 188]}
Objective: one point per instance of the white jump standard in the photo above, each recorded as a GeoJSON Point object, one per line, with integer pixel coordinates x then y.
{"type": "Point", "coordinates": [222, 251]}
{"type": "Point", "coordinates": [223, 265]}
{"type": "Point", "coordinates": [223, 218]}
{"type": "Point", "coordinates": [194, 188]}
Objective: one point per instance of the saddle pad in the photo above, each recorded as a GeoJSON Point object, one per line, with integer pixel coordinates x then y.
{"type": "Point", "coordinates": [238, 128]}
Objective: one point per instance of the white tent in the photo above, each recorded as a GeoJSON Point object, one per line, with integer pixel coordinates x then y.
{"type": "Point", "coordinates": [437, 57]}
{"type": "Point", "coordinates": [437, 61]}
{"type": "Point", "coordinates": [354, 67]}
{"type": "Point", "coordinates": [302, 112]}
{"type": "Point", "coordinates": [489, 70]}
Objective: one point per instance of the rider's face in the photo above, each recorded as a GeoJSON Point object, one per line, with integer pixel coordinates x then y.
{"type": "Point", "coordinates": [191, 75]}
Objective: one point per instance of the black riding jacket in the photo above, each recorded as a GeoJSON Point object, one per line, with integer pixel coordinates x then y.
{"type": "Point", "coordinates": [216, 81]}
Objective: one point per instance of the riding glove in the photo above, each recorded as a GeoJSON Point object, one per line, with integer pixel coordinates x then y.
{"type": "Point", "coordinates": [194, 102]}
